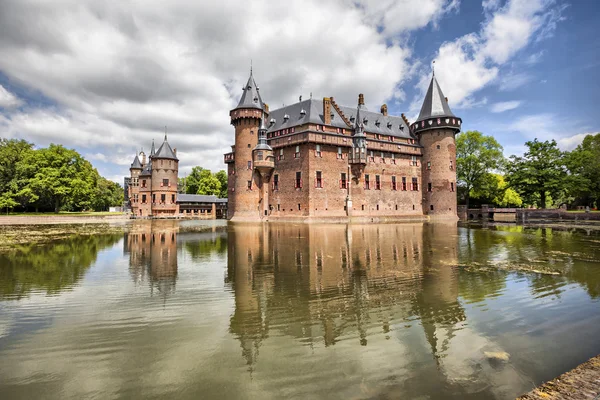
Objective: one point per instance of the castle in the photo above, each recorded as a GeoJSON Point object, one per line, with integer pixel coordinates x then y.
{"type": "Point", "coordinates": [317, 160]}
{"type": "Point", "coordinates": [153, 184]}
{"type": "Point", "coordinates": [151, 189]}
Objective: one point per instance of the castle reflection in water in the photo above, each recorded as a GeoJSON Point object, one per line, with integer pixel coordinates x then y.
{"type": "Point", "coordinates": [152, 249]}
{"type": "Point", "coordinates": [341, 281]}
{"type": "Point", "coordinates": [319, 283]}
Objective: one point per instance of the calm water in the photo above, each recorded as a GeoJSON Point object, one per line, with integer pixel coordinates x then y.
{"type": "Point", "coordinates": [407, 311]}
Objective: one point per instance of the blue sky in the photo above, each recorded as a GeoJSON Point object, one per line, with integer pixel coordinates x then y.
{"type": "Point", "coordinates": [106, 78]}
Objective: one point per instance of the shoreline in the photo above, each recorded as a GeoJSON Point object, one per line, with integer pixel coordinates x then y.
{"type": "Point", "coordinates": [582, 382]}
{"type": "Point", "coordinates": [57, 219]}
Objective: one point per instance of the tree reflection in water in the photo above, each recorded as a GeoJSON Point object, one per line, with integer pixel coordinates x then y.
{"type": "Point", "coordinates": [50, 268]}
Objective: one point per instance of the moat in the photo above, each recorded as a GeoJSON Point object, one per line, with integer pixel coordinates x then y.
{"type": "Point", "coordinates": [209, 310]}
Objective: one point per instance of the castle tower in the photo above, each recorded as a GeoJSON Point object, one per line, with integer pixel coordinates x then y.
{"type": "Point", "coordinates": [165, 169]}
{"type": "Point", "coordinates": [264, 163]}
{"type": "Point", "coordinates": [244, 179]}
{"type": "Point", "coordinates": [145, 186]}
{"type": "Point", "coordinates": [436, 129]}
{"type": "Point", "coordinates": [134, 170]}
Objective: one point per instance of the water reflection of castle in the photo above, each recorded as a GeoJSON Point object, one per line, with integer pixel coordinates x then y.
{"type": "Point", "coordinates": [152, 249]}
{"type": "Point", "coordinates": [342, 282]}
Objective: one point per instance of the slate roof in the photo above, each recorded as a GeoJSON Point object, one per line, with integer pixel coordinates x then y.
{"type": "Point", "coordinates": [136, 164]}
{"type": "Point", "coordinates": [251, 96]}
{"type": "Point", "coordinates": [165, 151]}
{"type": "Point", "coordinates": [198, 198]}
{"type": "Point", "coordinates": [435, 104]}
{"type": "Point", "coordinates": [388, 125]}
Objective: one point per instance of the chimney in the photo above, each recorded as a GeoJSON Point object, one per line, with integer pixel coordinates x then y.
{"type": "Point", "coordinates": [446, 100]}
{"type": "Point", "coordinates": [266, 108]}
{"type": "Point", "coordinates": [175, 150]}
{"type": "Point", "coordinates": [327, 110]}
{"type": "Point", "coordinates": [361, 100]}
{"type": "Point", "coordinates": [384, 110]}
{"type": "Point", "coordinates": [143, 159]}
{"type": "Point", "coordinates": [405, 119]}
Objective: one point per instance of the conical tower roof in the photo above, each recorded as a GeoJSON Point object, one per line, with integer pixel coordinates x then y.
{"type": "Point", "coordinates": [165, 151]}
{"type": "Point", "coordinates": [435, 104]}
{"type": "Point", "coordinates": [262, 136]}
{"type": "Point", "coordinates": [250, 96]}
{"type": "Point", "coordinates": [152, 149]}
{"type": "Point", "coordinates": [435, 112]}
{"type": "Point", "coordinates": [136, 164]}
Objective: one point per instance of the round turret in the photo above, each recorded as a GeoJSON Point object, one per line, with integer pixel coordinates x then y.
{"type": "Point", "coordinates": [436, 129]}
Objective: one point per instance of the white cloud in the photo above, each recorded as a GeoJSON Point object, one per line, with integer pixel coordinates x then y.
{"type": "Point", "coordinates": [7, 99]}
{"type": "Point", "coordinates": [548, 126]}
{"type": "Point", "coordinates": [504, 106]}
{"type": "Point", "coordinates": [473, 61]}
{"type": "Point", "coordinates": [569, 143]}
{"type": "Point", "coordinates": [401, 16]}
{"type": "Point", "coordinates": [119, 73]}
{"type": "Point", "coordinates": [512, 81]}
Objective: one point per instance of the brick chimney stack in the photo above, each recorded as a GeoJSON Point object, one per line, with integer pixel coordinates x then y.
{"type": "Point", "coordinates": [361, 99]}
{"type": "Point", "coordinates": [384, 110]}
{"type": "Point", "coordinates": [327, 110]}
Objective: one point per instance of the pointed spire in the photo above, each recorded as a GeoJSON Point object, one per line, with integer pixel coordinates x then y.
{"type": "Point", "coordinates": [136, 164]}
{"type": "Point", "coordinates": [152, 151]}
{"type": "Point", "coordinates": [165, 133]}
{"type": "Point", "coordinates": [262, 135]}
{"type": "Point", "coordinates": [250, 95]}
{"type": "Point", "coordinates": [434, 104]}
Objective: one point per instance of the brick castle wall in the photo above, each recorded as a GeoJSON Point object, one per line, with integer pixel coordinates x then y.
{"type": "Point", "coordinates": [439, 149]}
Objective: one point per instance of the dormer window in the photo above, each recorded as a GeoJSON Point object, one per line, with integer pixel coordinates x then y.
{"type": "Point", "coordinates": [272, 121]}
{"type": "Point", "coordinates": [352, 119]}
{"type": "Point", "coordinates": [389, 125]}
{"type": "Point", "coordinates": [332, 115]}
{"type": "Point", "coordinates": [286, 117]}
{"type": "Point", "coordinates": [377, 123]}
{"type": "Point", "coordinates": [365, 121]}
{"type": "Point", "coordinates": [402, 128]}
{"type": "Point", "coordinates": [256, 99]}
{"type": "Point", "coordinates": [303, 112]}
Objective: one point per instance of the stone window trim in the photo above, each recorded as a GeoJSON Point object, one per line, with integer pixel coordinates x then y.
{"type": "Point", "coordinates": [319, 179]}
{"type": "Point", "coordinates": [414, 184]}
{"type": "Point", "coordinates": [367, 185]}
{"type": "Point", "coordinates": [377, 182]}
{"type": "Point", "coordinates": [275, 182]}
{"type": "Point", "coordinates": [249, 185]}
{"type": "Point", "coordinates": [318, 152]}
{"type": "Point", "coordinates": [343, 181]}
{"type": "Point", "coordinates": [394, 185]}
{"type": "Point", "coordinates": [298, 181]}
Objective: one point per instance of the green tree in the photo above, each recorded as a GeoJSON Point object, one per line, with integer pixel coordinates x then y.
{"type": "Point", "coordinates": [208, 184]}
{"type": "Point", "coordinates": [59, 177]}
{"type": "Point", "coordinates": [540, 174]}
{"type": "Point", "coordinates": [192, 181]}
{"type": "Point", "coordinates": [495, 190]}
{"type": "Point", "coordinates": [222, 177]}
{"type": "Point", "coordinates": [107, 194]}
{"type": "Point", "coordinates": [476, 156]}
{"type": "Point", "coordinates": [583, 164]}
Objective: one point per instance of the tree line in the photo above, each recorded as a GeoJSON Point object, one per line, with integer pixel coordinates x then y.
{"type": "Point", "coordinates": [543, 177]}
{"type": "Point", "coordinates": [203, 181]}
{"type": "Point", "coordinates": [53, 178]}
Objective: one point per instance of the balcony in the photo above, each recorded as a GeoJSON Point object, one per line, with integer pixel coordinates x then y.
{"type": "Point", "coordinates": [229, 157]}
{"type": "Point", "coordinates": [357, 157]}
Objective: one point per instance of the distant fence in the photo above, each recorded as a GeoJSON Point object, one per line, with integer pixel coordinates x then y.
{"type": "Point", "coordinates": [523, 214]}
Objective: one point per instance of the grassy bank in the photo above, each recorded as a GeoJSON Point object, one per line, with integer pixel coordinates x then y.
{"type": "Point", "coordinates": [64, 213]}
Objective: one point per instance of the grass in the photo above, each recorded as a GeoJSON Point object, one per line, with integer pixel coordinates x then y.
{"type": "Point", "coordinates": [64, 213]}
{"type": "Point", "coordinates": [582, 211]}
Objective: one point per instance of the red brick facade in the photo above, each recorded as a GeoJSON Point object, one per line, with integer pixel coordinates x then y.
{"type": "Point", "coordinates": [406, 175]}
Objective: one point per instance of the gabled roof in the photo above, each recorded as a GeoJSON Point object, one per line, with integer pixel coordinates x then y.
{"type": "Point", "coordinates": [136, 164]}
{"type": "Point", "coordinates": [311, 110]}
{"type": "Point", "coordinates": [165, 151]}
{"type": "Point", "coordinates": [198, 198]}
{"type": "Point", "coordinates": [435, 104]}
{"type": "Point", "coordinates": [250, 95]}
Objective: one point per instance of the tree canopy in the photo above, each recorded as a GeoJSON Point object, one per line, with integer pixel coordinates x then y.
{"type": "Point", "coordinates": [540, 174]}
{"type": "Point", "coordinates": [477, 156]}
{"type": "Point", "coordinates": [52, 179]}
{"type": "Point", "coordinates": [203, 181]}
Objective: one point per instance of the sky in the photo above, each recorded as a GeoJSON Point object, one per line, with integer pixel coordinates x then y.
{"type": "Point", "coordinates": [106, 78]}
